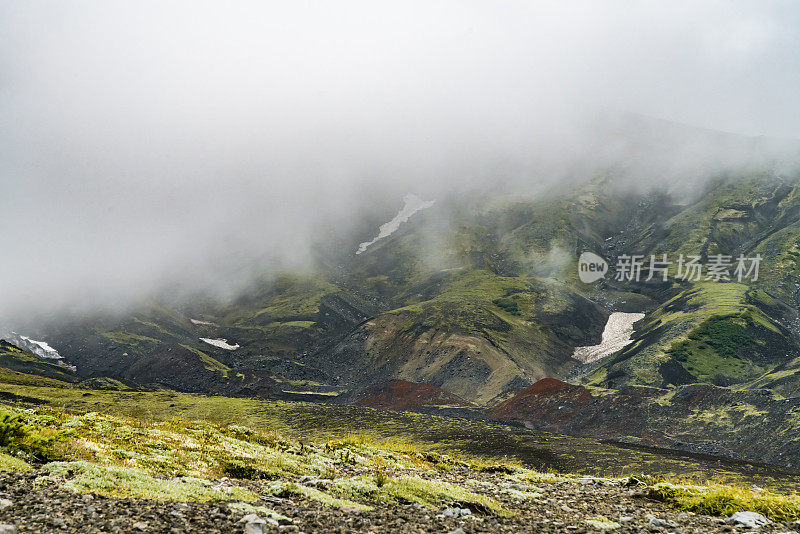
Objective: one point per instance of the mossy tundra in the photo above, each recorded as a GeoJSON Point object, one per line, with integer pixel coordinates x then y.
{"type": "Point", "coordinates": [164, 454]}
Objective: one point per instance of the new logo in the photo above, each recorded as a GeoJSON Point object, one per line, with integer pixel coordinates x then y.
{"type": "Point", "coordinates": [591, 267]}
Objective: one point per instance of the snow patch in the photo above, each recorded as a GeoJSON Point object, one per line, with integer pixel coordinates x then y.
{"type": "Point", "coordinates": [44, 347]}
{"type": "Point", "coordinates": [203, 323]}
{"type": "Point", "coordinates": [413, 204]}
{"type": "Point", "coordinates": [220, 343]}
{"type": "Point", "coordinates": [616, 335]}
{"type": "Point", "coordinates": [39, 348]}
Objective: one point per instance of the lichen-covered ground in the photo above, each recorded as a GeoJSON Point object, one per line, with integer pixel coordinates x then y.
{"type": "Point", "coordinates": [557, 505]}
{"type": "Point", "coordinates": [98, 472]}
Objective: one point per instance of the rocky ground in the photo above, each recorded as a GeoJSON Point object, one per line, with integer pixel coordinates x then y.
{"type": "Point", "coordinates": [579, 505]}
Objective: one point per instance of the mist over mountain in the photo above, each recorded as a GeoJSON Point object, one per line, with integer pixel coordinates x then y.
{"type": "Point", "coordinates": [364, 266]}
{"type": "Point", "coordinates": [190, 146]}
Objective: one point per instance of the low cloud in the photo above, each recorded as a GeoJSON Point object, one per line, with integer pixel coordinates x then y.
{"type": "Point", "coordinates": [143, 143]}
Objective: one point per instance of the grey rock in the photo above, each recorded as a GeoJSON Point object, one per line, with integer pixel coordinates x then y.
{"type": "Point", "coordinates": [248, 518]}
{"type": "Point", "coordinates": [459, 530]}
{"type": "Point", "coordinates": [455, 512]}
{"type": "Point", "coordinates": [8, 529]}
{"type": "Point", "coordinates": [748, 519]}
{"type": "Point", "coordinates": [625, 519]}
{"type": "Point", "coordinates": [256, 526]}
{"type": "Point", "coordinates": [6, 503]}
{"type": "Point", "coordinates": [656, 522]}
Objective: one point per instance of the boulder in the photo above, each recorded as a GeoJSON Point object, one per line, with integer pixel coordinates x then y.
{"type": "Point", "coordinates": [748, 519]}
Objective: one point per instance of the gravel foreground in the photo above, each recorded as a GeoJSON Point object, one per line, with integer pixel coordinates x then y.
{"type": "Point", "coordinates": [563, 507]}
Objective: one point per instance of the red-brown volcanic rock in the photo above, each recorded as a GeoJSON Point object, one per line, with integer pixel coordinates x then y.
{"type": "Point", "coordinates": [546, 398]}
{"type": "Point", "coordinates": [404, 395]}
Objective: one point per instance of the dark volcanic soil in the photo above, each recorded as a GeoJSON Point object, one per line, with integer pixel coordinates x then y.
{"type": "Point", "coordinates": [562, 507]}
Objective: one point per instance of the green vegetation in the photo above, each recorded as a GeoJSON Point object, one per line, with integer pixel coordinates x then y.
{"type": "Point", "coordinates": [466, 301]}
{"type": "Point", "coordinates": [13, 431]}
{"type": "Point", "coordinates": [164, 453]}
{"type": "Point", "coordinates": [507, 304]}
{"type": "Point", "coordinates": [715, 331]}
{"type": "Point", "coordinates": [430, 493]}
{"type": "Point", "coordinates": [168, 433]}
{"type": "Point", "coordinates": [725, 499]}
{"type": "Point", "coordinates": [716, 348]}
{"type": "Point", "coordinates": [116, 481]}
{"type": "Point", "coordinates": [722, 333]}
{"type": "Point", "coordinates": [127, 457]}
{"type": "Point", "coordinates": [17, 437]}
{"type": "Point", "coordinates": [136, 341]}
{"type": "Point", "coordinates": [11, 463]}
{"type": "Point", "coordinates": [208, 362]}
{"type": "Point", "coordinates": [291, 295]}
{"type": "Point", "coordinates": [14, 362]}
{"type": "Point", "coordinates": [293, 489]}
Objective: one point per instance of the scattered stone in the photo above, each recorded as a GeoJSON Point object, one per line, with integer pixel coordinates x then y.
{"type": "Point", "coordinates": [6, 503]}
{"type": "Point", "coordinates": [625, 519]}
{"type": "Point", "coordinates": [748, 519]}
{"type": "Point", "coordinates": [455, 512]}
{"type": "Point", "coordinates": [8, 529]}
{"type": "Point", "coordinates": [658, 523]}
{"type": "Point", "coordinates": [277, 500]}
{"type": "Point", "coordinates": [459, 530]}
{"type": "Point", "coordinates": [141, 525]}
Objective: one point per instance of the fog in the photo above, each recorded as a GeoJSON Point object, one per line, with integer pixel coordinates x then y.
{"type": "Point", "coordinates": [147, 142]}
